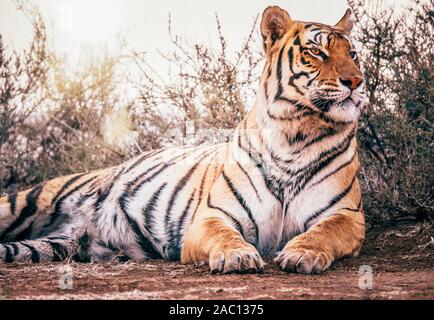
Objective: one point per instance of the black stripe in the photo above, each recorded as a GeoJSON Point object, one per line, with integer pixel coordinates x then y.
{"type": "Point", "coordinates": [184, 215]}
{"type": "Point", "coordinates": [305, 62]}
{"type": "Point", "coordinates": [242, 202]}
{"type": "Point", "coordinates": [165, 165]}
{"type": "Point", "coordinates": [144, 157]}
{"type": "Point", "coordinates": [315, 37]}
{"type": "Point", "coordinates": [60, 252]}
{"type": "Point", "coordinates": [202, 184]}
{"type": "Point", "coordinates": [296, 76]}
{"type": "Point", "coordinates": [137, 184]}
{"type": "Point", "coordinates": [291, 58]}
{"type": "Point", "coordinates": [334, 152]}
{"type": "Point", "coordinates": [15, 248]}
{"type": "Point", "coordinates": [279, 93]}
{"type": "Point", "coordinates": [147, 247]}
{"type": "Point", "coordinates": [331, 203]}
{"type": "Point", "coordinates": [8, 257]}
{"type": "Point", "coordinates": [326, 118]}
{"type": "Point", "coordinates": [343, 165]}
{"type": "Point", "coordinates": [250, 180]}
{"type": "Point", "coordinates": [174, 241]}
{"type": "Point", "coordinates": [35, 254]}
{"type": "Point", "coordinates": [103, 194]}
{"type": "Point", "coordinates": [323, 104]}
{"type": "Point", "coordinates": [57, 209]}
{"type": "Point", "coordinates": [309, 83]}
{"type": "Point", "coordinates": [140, 180]}
{"type": "Point", "coordinates": [25, 234]}
{"type": "Point", "coordinates": [84, 197]}
{"type": "Point", "coordinates": [182, 183]}
{"type": "Point", "coordinates": [357, 209]}
{"type": "Point", "coordinates": [28, 211]}
{"type": "Point", "coordinates": [57, 238]}
{"type": "Point", "coordinates": [317, 165]}
{"type": "Point", "coordinates": [266, 81]}
{"type": "Point", "coordinates": [149, 209]}
{"type": "Point", "coordinates": [145, 244]}
{"type": "Point", "coordinates": [325, 134]}
{"type": "Point", "coordinates": [66, 185]}
{"type": "Point", "coordinates": [227, 214]}
{"type": "Point", "coordinates": [178, 188]}
{"type": "Point", "coordinates": [279, 74]}
{"type": "Point", "coordinates": [83, 253]}
{"type": "Point", "coordinates": [297, 138]}
{"type": "Point", "coordinates": [298, 116]}
{"type": "Point", "coordinates": [12, 198]}
{"type": "Point", "coordinates": [256, 157]}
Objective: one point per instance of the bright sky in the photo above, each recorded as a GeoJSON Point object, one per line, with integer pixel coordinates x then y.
{"type": "Point", "coordinates": [78, 23]}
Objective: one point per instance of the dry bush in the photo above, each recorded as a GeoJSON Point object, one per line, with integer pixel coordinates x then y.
{"type": "Point", "coordinates": [396, 136]}
{"type": "Point", "coordinates": [24, 78]}
{"type": "Point", "coordinates": [54, 120]}
{"type": "Point", "coordinates": [208, 89]}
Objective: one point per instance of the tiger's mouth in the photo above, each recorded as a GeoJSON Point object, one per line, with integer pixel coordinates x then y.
{"type": "Point", "coordinates": [348, 100]}
{"type": "Point", "coordinates": [325, 105]}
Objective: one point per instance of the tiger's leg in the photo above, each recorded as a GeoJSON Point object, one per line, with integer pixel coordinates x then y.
{"type": "Point", "coordinates": [340, 234]}
{"type": "Point", "coordinates": [215, 240]}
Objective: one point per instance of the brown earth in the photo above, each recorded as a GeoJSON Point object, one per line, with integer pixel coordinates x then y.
{"type": "Point", "coordinates": [401, 258]}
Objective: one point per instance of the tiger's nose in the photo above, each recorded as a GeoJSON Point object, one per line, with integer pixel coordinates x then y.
{"type": "Point", "coordinates": [351, 82]}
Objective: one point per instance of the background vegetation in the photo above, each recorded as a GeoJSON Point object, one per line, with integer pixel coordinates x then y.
{"type": "Point", "coordinates": [54, 121]}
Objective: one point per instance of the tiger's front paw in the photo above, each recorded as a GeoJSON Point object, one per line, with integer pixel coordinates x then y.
{"type": "Point", "coordinates": [303, 260]}
{"type": "Point", "coordinates": [244, 259]}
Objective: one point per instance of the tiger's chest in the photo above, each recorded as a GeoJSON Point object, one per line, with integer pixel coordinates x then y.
{"type": "Point", "coordinates": [298, 196]}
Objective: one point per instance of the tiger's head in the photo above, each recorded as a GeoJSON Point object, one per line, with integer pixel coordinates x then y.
{"type": "Point", "coordinates": [311, 67]}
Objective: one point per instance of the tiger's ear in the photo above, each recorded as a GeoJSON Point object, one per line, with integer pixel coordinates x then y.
{"type": "Point", "coordinates": [346, 24]}
{"type": "Point", "coordinates": [275, 23]}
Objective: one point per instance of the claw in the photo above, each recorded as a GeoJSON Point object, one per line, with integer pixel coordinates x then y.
{"type": "Point", "coordinates": [240, 260]}
{"type": "Point", "coordinates": [302, 260]}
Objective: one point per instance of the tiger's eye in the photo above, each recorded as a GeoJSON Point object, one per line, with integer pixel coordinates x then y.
{"type": "Point", "coordinates": [353, 55]}
{"type": "Point", "coordinates": [315, 51]}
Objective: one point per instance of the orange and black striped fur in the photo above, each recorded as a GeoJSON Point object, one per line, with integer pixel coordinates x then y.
{"type": "Point", "coordinates": [285, 186]}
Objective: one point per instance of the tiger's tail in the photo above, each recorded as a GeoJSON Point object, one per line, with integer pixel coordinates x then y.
{"type": "Point", "coordinates": [32, 222]}
{"type": "Point", "coordinates": [46, 249]}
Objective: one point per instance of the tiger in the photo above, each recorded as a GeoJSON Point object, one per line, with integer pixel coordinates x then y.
{"type": "Point", "coordinates": [285, 188]}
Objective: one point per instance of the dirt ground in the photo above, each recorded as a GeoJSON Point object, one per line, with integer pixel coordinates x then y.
{"type": "Point", "coordinates": [402, 262]}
